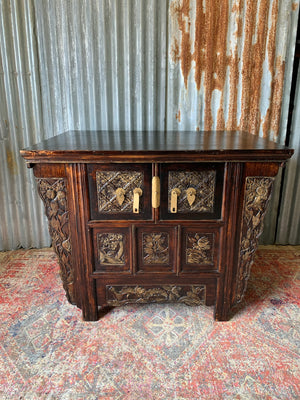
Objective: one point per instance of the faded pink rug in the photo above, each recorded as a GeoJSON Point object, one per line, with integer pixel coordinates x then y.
{"type": "Point", "coordinates": [152, 351]}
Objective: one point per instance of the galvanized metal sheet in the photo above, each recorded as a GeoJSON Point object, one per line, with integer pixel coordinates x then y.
{"type": "Point", "coordinates": [289, 217]}
{"type": "Point", "coordinates": [227, 60]}
{"type": "Point", "coordinates": [131, 64]}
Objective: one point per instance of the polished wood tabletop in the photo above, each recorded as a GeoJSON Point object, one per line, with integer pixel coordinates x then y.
{"type": "Point", "coordinates": [74, 146]}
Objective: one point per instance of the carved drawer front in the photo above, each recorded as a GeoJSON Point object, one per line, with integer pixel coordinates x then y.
{"type": "Point", "coordinates": [120, 191]}
{"type": "Point", "coordinates": [199, 250]}
{"type": "Point", "coordinates": [192, 191]}
{"type": "Point", "coordinates": [112, 250]}
{"type": "Point", "coordinates": [156, 249]}
{"type": "Point", "coordinates": [192, 295]}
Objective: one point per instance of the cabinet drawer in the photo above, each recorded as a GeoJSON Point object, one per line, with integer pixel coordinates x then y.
{"type": "Point", "coordinates": [112, 249]}
{"type": "Point", "coordinates": [121, 291]}
{"type": "Point", "coordinates": [191, 191]}
{"type": "Point", "coordinates": [120, 191]}
{"type": "Point", "coordinates": [193, 295]}
{"type": "Point", "coordinates": [199, 249]}
{"type": "Point", "coordinates": [156, 249]}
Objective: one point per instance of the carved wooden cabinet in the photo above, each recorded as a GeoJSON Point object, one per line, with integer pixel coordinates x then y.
{"type": "Point", "coordinates": [138, 217]}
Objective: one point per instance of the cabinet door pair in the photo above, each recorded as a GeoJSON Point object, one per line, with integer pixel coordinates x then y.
{"type": "Point", "coordinates": [180, 191]}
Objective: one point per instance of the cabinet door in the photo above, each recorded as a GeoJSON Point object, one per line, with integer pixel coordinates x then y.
{"type": "Point", "coordinates": [199, 249]}
{"type": "Point", "coordinates": [120, 191]}
{"type": "Point", "coordinates": [156, 249]}
{"type": "Point", "coordinates": [112, 247]}
{"type": "Point", "coordinates": [191, 191]}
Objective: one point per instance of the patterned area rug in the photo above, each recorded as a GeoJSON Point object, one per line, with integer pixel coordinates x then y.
{"type": "Point", "coordinates": [153, 351]}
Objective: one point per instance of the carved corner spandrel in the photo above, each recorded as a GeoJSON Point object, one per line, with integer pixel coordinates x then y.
{"type": "Point", "coordinates": [257, 195]}
{"type": "Point", "coordinates": [54, 195]}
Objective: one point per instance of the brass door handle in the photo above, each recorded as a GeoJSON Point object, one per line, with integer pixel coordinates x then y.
{"type": "Point", "coordinates": [174, 195]}
{"type": "Point", "coordinates": [191, 195]}
{"type": "Point", "coordinates": [120, 195]}
{"type": "Point", "coordinates": [137, 193]}
{"type": "Point", "coordinates": [155, 192]}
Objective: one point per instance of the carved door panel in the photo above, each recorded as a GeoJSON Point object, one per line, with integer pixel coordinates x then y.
{"type": "Point", "coordinates": [156, 249]}
{"type": "Point", "coordinates": [120, 191]}
{"type": "Point", "coordinates": [112, 250]}
{"type": "Point", "coordinates": [191, 191]}
{"type": "Point", "coordinates": [199, 249]}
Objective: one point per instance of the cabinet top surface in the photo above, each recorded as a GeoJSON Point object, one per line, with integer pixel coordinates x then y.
{"type": "Point", "coordinates": [86, 146]}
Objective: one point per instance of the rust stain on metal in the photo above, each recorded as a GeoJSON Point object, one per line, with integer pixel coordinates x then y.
{"type": "Point", "coordinates": [175, 57]}
{"type": "Point", "coordinates": [234, 68]}
{"type": "Point", "coordinates": [211, 35]}
{"type": "Point", "coordinates": [212, 56]}
{"type": "Point", "coordinates": [258, 57]}
{"type": "Point", "coordinates": [294, 6]}
{"type": "Point", "coordinates": [11, 162]}
{"type": "Point", "coordinates": [182, 11]}
{"type": "Point", "coordinates": [178, 116]}
{"type": "Point", "coordinates": [277, 96]}
{"type": "Point", "coordinates": [271, 61]}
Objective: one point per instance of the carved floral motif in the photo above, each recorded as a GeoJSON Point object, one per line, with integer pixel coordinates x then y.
{"type": "Point", "coordinates": [203, 182]}
{"type": "Point", "coordinates": [189, 294]}
{"type": "Point", "coordinates": [111, 248]}
{"type": "Point", "coordinates": [199, 248]}
{"type": "Point", "coordinates": [257, 194]}
{"type": "Point", "coordinates": [108, 183]}
{"type": "Point", "coordinates": [53, 193]}
{"type": "Point", "coordinates": [156, 248]}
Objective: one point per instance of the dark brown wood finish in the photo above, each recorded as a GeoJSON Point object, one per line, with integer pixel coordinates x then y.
{"type": "Point", "coordinates": [195, 247]}
{"type": "Point", "coordinates": [118, 146]}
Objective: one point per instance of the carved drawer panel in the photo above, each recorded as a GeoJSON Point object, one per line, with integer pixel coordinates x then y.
{"type": "Point", "coordinates": [111, 249]}
{"type": "Point", "coordinates": [203, 183]}
{"type": "Point", "coordinates": [199, 249]}
{"type": "Point", "coordinates": [192, 192]}
{"type": "Point", "coordinates": [109, 183]}
{"type": "Point", "coordinates": [155, 249]}
{"type": "Point", "coordinates": [120, 191]}
{"type": "Point", "coordinates": [192, 295]}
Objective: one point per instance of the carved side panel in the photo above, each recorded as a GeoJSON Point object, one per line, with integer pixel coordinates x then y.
{"type": "Point", "coordinates": [107, 184]}
{"type": "Point", "coordinates": [111, 248]}
{"type": "Point", "coordinates": [204, 182]}
{"type": "Point", "coordinates": [199, 248]}
{"type": "Point", "coordinates": [156, 248]}
{"type": "Point", "coordinates": [257, 194]}
{"type": "Point", "coordinates": [53, 193]}
{"type": "Point", "coordinates": [191, 295]}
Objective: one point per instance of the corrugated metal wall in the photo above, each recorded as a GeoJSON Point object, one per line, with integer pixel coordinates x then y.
{"type": "Point", "coordinates": [134, 64]}
{"type": "Point", "coordinates": [289, 218]}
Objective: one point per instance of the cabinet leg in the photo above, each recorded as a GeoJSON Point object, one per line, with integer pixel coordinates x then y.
{"type": "Point", "coordinates": [222, 312]}
{"type": "Point", "coordinates": [90, 314]}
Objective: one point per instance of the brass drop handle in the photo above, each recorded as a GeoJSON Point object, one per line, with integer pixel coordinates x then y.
{"type": "Point", "coordinates": [191, 195]}
{"type": "Point", "coordinates": [174, 194]}
{"type": "Point", "coordinates": [155, 192]}
{"type": "Point", "coordinates": [137, 193]}
{"type": "Point", "coordinates": [120, 195]}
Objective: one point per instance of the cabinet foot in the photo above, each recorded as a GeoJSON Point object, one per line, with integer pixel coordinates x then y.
{"type": "Point", "coordinates": [90, 315]}
{"type": "Point", "coordinates": [224, 315]}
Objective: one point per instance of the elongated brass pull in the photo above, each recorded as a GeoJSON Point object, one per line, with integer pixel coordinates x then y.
{"type": "Point", "coordinates": [191, 195]}
{"type": "Point", "coordinates": [120, 195]}
{"type": "Point", "coordinates": [155, 192]}
{"type": "Point", "coordinates": [137, 192]}
{"type": "Point", "coordinates": [174, 194]}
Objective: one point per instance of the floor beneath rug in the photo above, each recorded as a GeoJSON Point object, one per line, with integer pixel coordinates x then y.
{"type": "Point", "coordinates": [153, 351]}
